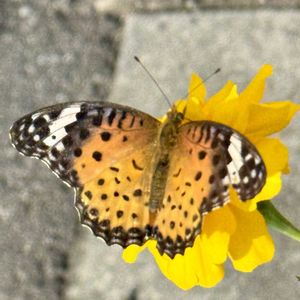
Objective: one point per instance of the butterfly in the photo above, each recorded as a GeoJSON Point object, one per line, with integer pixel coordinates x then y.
{"type": "Point", "coordinates": [136, 178]}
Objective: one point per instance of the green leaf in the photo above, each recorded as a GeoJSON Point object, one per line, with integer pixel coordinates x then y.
{"type": "Point", "coordinates": [277, 221]}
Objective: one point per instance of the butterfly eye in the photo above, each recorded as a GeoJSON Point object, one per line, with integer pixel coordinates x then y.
{"type": "Point", "coordinates": [179, 116]}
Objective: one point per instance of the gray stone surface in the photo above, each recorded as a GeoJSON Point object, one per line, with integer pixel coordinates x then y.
{"type": "Point", "coordinates": [54, 51]}
{"type": "Point", "coordinates": [172, 46]}
{"type": "Point", "coordinates": [186, 5]}
{"type": "Point", "coordinates": [50, 51]}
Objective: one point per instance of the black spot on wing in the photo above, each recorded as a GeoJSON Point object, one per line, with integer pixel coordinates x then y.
{"type": "Point", "coordinates": [136, 166]}
{"type": "Point", "coordinates": [105, 136]}
{"type": "Point", "coordinates": [111, 116]}
{"type": "Point", "coordinates": [77, 152]}
{"type": "Point", "coordinates": [97, 156]}
{"type": "Point", "coordinates": [101, 181]}
{"type": "Point", "coordinates": [202, 154]}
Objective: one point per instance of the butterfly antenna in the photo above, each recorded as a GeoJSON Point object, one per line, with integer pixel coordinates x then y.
{"type": "Point", "coordinates": [153, 79]}
{"type": "Point", "coordinates": [204, 80]}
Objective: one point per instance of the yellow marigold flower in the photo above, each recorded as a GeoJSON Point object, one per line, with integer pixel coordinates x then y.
{"type": "Point", "coordinates": [238, 230]}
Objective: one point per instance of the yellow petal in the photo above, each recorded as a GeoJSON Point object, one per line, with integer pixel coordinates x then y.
{"type": "Point", "coordinates": [174, 269]}
{"type": "Point", "coordinates": [233, 93]}
{"type": "Point", "coordinates": [218, 225]}
{"type": "Point", "coordinates": [208, 273]}
{"type": "Point", "coordinates": [194, 111]}
{"type": "Point", "coordinates": [266, 119]}
{"type": "Point", "coordinates": [191, 269]}
{"type": "Point", "coordinates": [195, 101]}
{"type": "Point", "coordinates": [251, 245]}
{"type": "Point", "coordinates": [197, 88]}
{"type": "Point", "coordinates": [254, 91]}
{"type": "Point", "coordinates": [270, 190]}
{"type": "Point", "coordinates": [230, 112]}
{"type": "Point", "coordinates": [131, 253]}
{"type": "Point", "coordinates": [274, 154]}
{"type": "Point", "coordinates": [220, 96]}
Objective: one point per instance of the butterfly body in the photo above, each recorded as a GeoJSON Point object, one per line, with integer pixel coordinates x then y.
{"type": "Point", "coordinates": [136, 178]}
{"type": "Point", "coordinates": [161, 159]}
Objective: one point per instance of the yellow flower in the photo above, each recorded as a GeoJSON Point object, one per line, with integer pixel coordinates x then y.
{"type": "Point", "coordinates": [237, 231]}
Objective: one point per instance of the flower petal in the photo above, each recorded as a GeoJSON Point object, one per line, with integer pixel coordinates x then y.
{"type": "Point", "coordinates": [131, 253]}
{"type": "Point", "coordinates": [197, 88]}
{"type": "Point", "coordinates": [175, 269]}
{"type": "Point", "coordinates": [201, 264]}
{"type": "Point", "coordinates": [254, 91]}
{"type": "Point", "coordinates": [195, 100]}
{"type": "Point", "coordinates": [251, 245]}
{"type": "Point", "coordinates": [208, 273]}
{"type": "Point", "coordinates": [234, 111]}
{"type": "Point", "coordinates": [266, 119]}
{"type": "Point", "coordinates": [270, 190]}
{"type": "Point", "coordinates": [218, 225]}
{"type": "Point", "coordinates": [192, 268]}
{"type": "Point", "coordinates": [220, 96]}
{"type": "Point", "coordinates": [230, 112]}
{"type": "Point", "coordinates": [193, 109]}
{"type": "Point", "coordinates": [274, 154]}
{"type": "Point", "coordinates": [233, 93]}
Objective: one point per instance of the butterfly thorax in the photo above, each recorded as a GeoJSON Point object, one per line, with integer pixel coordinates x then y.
{"type": "Point", "coordinates": [167, 141]}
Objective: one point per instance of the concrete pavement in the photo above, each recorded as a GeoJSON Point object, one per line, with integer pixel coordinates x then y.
{"type": "Point", "coordinates": [59, 52]}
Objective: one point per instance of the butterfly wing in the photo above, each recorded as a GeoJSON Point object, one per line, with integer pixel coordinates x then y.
{"type": "Point", "coordinates": [104, 151]}
{"type": "Point", "coordinates": [209, 158]}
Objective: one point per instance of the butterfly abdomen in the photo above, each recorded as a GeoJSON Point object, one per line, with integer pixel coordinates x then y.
{"type": "Point", "coordinates": [159, 181]}
{"type": "Point", "coordinates": [167, 141]}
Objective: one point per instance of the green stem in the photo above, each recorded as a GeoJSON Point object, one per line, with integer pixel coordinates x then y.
{"type": "Point", "coordinates": [277, 221]}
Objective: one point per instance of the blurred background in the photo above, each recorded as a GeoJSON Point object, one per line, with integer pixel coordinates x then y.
{"type": "Point", "coordinates": [68, 50]}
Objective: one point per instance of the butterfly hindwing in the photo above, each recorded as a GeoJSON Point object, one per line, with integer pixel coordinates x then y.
{"type": "Point", "coordinates": [208, 159]}
{"type": "Point", "coordinates": [114, 198]}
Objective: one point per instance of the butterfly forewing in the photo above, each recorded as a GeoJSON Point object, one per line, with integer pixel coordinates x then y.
{"type": "Point", "coordinates": [56, 134]}
{"type": "Point", "coordinates": [209, 157]}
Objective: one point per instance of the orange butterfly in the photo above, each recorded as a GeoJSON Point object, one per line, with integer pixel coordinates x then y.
{"type": "Point", "coordinates": [136, 178]}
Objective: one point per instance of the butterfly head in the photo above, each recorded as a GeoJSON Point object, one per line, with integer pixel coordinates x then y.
{"type": "Point", "coordinates": [175, 116]}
